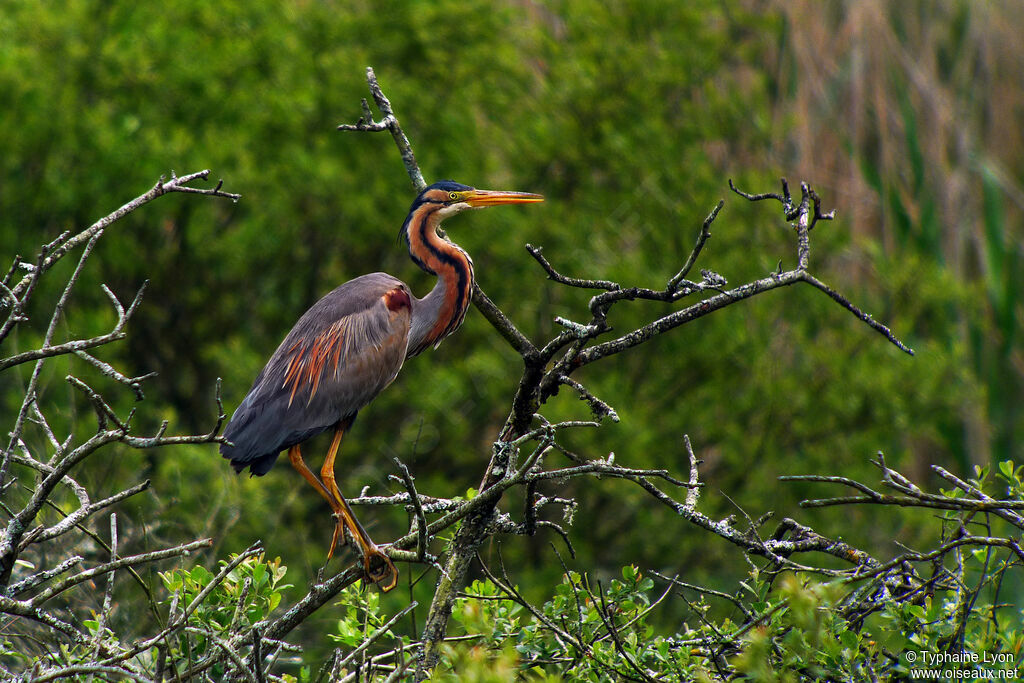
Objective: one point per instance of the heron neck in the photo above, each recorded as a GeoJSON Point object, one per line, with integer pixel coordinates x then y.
{"type": "Point", "coordinates": [441, 311]}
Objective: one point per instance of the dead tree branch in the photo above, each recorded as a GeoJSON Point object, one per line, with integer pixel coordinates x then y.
{"type": "Point", "coordinates": [33, 469]}
{"type": "Point", "coordinates": [550, 366]}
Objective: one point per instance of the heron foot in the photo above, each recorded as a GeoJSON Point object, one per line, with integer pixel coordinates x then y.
{"type": "Point", "coordinates": [379, 568]}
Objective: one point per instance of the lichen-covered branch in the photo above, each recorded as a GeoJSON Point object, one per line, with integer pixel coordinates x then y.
{"type": "Point", "coordinates": [32, 470]}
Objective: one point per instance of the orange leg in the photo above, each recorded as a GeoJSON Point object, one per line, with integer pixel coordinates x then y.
{"type": "Point", "coordinates": [377, 565]}
{"type": "Point", "coordinates": [295, 456]}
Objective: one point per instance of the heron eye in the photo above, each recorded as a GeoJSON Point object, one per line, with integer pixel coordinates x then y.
{"type": "Point", "coordinates": [453, 195]}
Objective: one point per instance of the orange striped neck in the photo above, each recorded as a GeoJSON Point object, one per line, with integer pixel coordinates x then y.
{"type": "Point", "coordinates": [442, 311]}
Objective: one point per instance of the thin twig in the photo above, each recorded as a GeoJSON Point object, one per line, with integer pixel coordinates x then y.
{"type": "Point", "coordinates": [538, 255]}
{"type": "Point", "coordinates": [376, 635]}
{"type": "Point", "coordinates": [702, 238]}
{"type": "Point", "coordinates": [130, 561]}
{"type": "Point", "coordinates": [390, 123]}
{"type": "Point", "coordinates": [694, 492]}
{"type": "Point", "coordinates": [417, 506]}
{"type": "Point", "coordinates": [109, 593]}
{"type": "Point", "coordinates": [859, 314]}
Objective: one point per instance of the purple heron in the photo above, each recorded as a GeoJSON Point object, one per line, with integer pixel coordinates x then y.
{"type": "Point", "coordinates": [348, 347]}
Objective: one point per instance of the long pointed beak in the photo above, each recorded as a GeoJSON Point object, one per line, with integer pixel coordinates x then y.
{"type": "Point", "coordinates": [495, 197]}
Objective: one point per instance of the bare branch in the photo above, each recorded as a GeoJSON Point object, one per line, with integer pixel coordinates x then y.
{"type": "Point", "coordinates": [93, 670]}
{"type": "Point", "coordinates": [599, 408]}
{"type": "Point", "coordinates": [131, 561]}
{"type": "Point", "coordinates": [34, 273]}
{"type": "Point", "coordinates": [694, 492]}
{"type": "Point", "coordinates": [389, 123]}
{"type": "Point", "coordinates": [133, 383]}
{"type": "Point", "coordinates": [685, 315]}
{"type": "Point", "coordinates": [914, 497]}
{"type": "Point", "coordinates": [377, 634]}
{"type": "Point", "coordinates": [502, 324]}
{"type": "Point", "coordinates": [861, 315]}
{"type": "Point", "coordinates": [162, 187]}
{"type": "Point", "coordinates": [702, 238]}
{"type": "Point", "coordinates": [784, 198]}
{"type": "Point", "coordinates": [943, 550]}
{"type": "Point", "coordinates": [104, 614]}
{"type": "Point", "coordinates": [537, 253]}
{"type": "Point", "coordinates": [1004, 507]}
{"type": "Point", "coordinates": [420, 519]}
{"type": "Point", "coordinates": [30, 582]}
{"type": "Point", "coordinates": [29, 611]}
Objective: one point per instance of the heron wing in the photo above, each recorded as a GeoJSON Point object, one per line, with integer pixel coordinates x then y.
{"type": "Point", "coordinates": [341, 353]}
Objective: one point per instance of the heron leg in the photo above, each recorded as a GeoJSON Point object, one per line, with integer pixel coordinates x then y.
{"type": "Point", "coordinates": [378, 566]}
{"type": "Point", "coordinates": [299, 463]}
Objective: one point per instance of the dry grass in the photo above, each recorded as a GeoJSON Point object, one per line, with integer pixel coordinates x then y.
{"type": "Point", "coordinates": [859, 77]}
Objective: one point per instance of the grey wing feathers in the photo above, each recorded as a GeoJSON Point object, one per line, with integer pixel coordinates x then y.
{"type": "Point", "coordinates": [340, 354]}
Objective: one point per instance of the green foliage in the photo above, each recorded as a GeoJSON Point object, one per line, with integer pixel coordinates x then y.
{"type": "Point", "coordinates": [572, 637]}
{"type": "Point", "coordinates": [363, 617]}
{"type": "Point", "coordinates": [245, 596]}
{"type": "Point", "coordinates": [801, 637]}
{"type": "Point", "coordinates": [785, 626]}
{"type": "Point", "coordinates": [798, 630]}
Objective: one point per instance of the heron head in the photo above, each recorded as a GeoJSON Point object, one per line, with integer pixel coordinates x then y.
{"type": "Point", "coordinates": [455, 197]}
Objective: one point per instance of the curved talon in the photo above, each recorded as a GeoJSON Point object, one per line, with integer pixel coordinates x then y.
{"type": "Point", "coordinates": [338, 534]}
{"type": "Point", "coordinates": [379, 567]}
